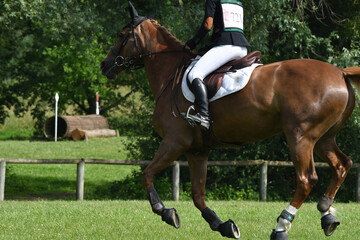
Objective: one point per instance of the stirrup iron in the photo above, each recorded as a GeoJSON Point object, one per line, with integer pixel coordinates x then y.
{"type": "Point", "coordinates": [189, 118]}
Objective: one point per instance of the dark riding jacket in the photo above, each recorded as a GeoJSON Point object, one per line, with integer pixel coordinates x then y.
{"type": "Point", "coordinates": [217, 15]}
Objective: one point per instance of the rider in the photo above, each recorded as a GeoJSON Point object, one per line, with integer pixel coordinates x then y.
{"type": "Point", "coordinates": [228, 43]}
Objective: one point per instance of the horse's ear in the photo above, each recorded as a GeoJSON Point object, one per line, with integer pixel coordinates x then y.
{"type": "Point", "coordinates": [152, 16]}
{"type": "Point", "coordinates": [133, 13]}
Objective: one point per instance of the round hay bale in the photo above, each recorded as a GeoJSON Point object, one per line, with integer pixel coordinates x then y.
{"type": "Point", "coordinates": [67, 124]}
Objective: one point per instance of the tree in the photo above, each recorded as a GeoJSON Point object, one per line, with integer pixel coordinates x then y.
{"type": "Point", "coordinates": [54, 46]}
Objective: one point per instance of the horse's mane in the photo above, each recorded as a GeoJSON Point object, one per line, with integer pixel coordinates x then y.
{"type": "Point", "coordinates": [167, 33]}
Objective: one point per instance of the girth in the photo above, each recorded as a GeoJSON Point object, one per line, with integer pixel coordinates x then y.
{"type": "Point", "coordinates": [214, 80]}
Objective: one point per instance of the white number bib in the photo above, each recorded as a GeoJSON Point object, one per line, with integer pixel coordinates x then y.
{"type": "Point", "coordinates": [233, 14]}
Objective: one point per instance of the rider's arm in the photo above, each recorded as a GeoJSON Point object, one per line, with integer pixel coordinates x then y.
{"type": "Point", "coordinates": [210, 8]}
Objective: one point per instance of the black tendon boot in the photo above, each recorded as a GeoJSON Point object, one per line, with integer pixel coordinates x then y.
{"type": "Point", "coordinates": [202, 117]}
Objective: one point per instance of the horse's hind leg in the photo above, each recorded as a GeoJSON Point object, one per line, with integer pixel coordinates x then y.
{"type": "Point", "coordinates": [198, 170]}
{"type": "Point", "coordinates": [168, 152]}
{"type": "Point", "coordinates": [340, 165]}
{"type": "Point", "coordinates": [301, 150]}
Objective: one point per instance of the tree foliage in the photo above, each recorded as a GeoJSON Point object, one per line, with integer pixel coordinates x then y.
{"type": "Point", "coordinates": [56, 46]}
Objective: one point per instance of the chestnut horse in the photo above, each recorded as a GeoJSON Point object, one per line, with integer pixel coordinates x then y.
{"type": "Point", "coordinates": [308, 100]}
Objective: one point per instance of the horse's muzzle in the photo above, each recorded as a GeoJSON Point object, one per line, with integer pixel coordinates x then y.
{"type": "Point", "coordinates": [108, 69]}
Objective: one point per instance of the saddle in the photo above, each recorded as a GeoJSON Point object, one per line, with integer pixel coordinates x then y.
{"type": "Point", "coordinates": [214, 80]}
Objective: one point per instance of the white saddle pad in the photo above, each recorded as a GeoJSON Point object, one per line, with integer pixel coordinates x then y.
{"type": "Point", "coordinates": [232, 82]}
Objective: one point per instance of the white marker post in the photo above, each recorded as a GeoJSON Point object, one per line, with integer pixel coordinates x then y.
{"type": "Point", "coordinates": [56, 114]}
{"type": "Point", "coordinates": [97, 104]}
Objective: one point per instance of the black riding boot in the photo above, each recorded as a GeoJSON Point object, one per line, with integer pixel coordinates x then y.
{"type": "Point", "coordinates": [202, 103]}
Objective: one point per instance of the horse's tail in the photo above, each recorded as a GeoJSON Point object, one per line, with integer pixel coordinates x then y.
{"type": "Point", "coordinates": [353, 73]}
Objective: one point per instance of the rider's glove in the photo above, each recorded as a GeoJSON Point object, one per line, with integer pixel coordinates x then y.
{"type": "Point", "coordinates": [191, 44]}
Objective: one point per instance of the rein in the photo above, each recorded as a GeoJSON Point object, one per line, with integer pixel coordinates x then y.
{"type": "Point", "coordinates": [176, 75]}
{"type": "Point", "coordinates": [130, 63]}
{"type": "Point", "coordinates": [133, 63]}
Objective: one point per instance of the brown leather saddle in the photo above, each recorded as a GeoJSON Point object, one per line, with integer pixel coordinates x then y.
{"type": "Point", "coordinates": [214, 80]}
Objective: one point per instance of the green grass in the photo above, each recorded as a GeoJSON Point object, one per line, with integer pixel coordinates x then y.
{"type": "Point", "coordinates": [16, 134]}
{"type": "Point", "coordinates": [106, 148]}
{"type": "Point", "coordinates": [17, 128]}
{"type": "Point", "coordinates": [58, 181]}
{"type": "Point", "coordinates": [14, 122]}
{"type": "Point", "coordinates": [135, 220]}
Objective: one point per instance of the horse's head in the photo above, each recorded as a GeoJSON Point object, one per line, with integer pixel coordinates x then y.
{"type": "Point", "coordinates": [126, 53]}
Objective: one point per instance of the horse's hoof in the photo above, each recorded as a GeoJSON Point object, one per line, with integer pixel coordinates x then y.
{"type": "Point", "coordinates": [229, 229]}
{"type": "Point", "coordinates": [329, 223]}
{"type": "Point", "coordinates": [278, 235]}
{"type": "Point", "coordinates": [170, 216]}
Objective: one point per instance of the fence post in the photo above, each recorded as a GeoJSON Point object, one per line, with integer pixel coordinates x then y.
{"type": "Point", "coordinates": [2, 179]}
{"type": "Point", "coordinates": [80, 180]}
{"type": "Point", "coordinates": [263, 181]}
{"type": "Point", "coordinates": [357, 191]}
{"type": "Point", "coordinates": [175, 181]}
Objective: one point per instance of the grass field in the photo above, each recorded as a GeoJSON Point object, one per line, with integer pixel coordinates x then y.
{"type": "Point", "coordinates": [58, 181]}
{"type": "Point", "coordinates": [134, 220]}
{"type": "Point", "coordinates": [107, 148]}
{"type": "Point", "coordinates": [28, 220]}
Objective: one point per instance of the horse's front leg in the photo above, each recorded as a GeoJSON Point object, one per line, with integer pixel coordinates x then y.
{"type": "Point", "coordinates": [198, 170]}
{"type": "Point", "coordinates": [168, 152]}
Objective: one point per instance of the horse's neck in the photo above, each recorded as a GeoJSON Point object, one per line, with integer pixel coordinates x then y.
{"type": "Point", "coordinates": [161, 67]}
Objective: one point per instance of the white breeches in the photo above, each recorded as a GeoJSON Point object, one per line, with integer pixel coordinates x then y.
{"type": "Point", "coordinates": [215, 58]}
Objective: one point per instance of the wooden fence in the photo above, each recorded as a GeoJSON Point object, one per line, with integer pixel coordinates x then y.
{"type": "Point", "coordinates": [263, 164]}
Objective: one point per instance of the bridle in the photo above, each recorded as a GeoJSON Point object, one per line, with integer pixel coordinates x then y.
{"type": "Point", "coordinates": [129, 63]}
{"type": "Point", "coordinates": [133, 63]}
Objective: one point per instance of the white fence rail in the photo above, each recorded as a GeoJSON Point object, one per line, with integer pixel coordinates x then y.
{"type": "Point", "coordinates": [263, 164]}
